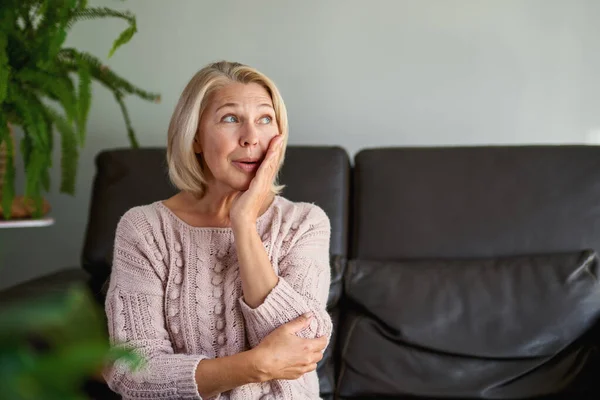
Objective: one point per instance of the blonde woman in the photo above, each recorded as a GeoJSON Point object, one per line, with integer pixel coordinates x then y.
{"type": "Point", "coordinates": [222, 288]}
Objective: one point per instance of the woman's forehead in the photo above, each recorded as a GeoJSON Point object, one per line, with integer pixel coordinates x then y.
{"type": "Point", "coordinates": [236, 93]}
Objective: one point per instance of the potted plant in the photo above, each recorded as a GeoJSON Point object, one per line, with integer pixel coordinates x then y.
{"type": "Point", "coordinates": [46, 87]}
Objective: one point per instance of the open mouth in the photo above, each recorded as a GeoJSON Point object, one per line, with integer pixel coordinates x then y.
{"type": "Point", "coordinates": [247, 166]}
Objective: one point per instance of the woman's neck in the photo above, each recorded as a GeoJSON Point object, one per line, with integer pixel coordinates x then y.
{"type": "Point", "coordinates": [214, 206]}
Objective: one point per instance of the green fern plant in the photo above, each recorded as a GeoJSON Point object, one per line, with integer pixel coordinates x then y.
{"type": "Point", "coordinates": [45, 87]}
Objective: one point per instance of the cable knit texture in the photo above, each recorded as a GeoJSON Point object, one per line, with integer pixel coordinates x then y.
{"type": "Point", "coordinates": [175, 295]}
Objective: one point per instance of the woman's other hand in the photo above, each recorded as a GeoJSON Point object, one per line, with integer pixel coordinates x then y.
{"type": "Point", "coordinates": [284, 355]}
{"type": "Point", "coordinates": [247, 206]}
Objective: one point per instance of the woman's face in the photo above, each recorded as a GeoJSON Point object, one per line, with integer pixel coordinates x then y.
{"type": "Point", "coordinates": [234, 134]}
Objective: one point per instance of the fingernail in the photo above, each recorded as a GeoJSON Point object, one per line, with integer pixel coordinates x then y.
{"type": "Point", "coordinates": [308, 315]}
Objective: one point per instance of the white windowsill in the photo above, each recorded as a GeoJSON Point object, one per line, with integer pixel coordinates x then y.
{"type": "Point", "coordinates": [27, 223]}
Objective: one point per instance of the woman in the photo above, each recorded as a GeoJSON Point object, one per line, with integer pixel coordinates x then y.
{"type": "Point", "coordinates": [222, 288]}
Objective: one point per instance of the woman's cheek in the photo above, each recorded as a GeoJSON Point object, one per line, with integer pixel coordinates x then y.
{"type": "Point", "coordinates": [272, 133]}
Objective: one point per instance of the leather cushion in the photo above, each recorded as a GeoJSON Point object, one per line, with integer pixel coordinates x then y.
{"type": "Point", "coordinates": [327, 368]}
{"type": "Point", "coordinates": [478, 328]}
{"type": "Point", "coordinates": [338, 266]}
{"type": "Point", "coordinates": [475, 201]}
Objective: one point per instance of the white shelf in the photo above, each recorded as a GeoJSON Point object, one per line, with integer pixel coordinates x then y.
{"type": "Point", "coordinates": [27, 223]}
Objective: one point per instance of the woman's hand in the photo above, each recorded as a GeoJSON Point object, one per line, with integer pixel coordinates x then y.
{"type": "Point", "coordinates": [284, 355]}
{"type": "Point", "coordinates": [246, 207]}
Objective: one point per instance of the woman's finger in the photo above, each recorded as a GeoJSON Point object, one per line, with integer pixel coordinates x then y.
{"type": "Point", "coordinates": [275, 147]}
{"type": "Point", "coordinates": [268, 168]}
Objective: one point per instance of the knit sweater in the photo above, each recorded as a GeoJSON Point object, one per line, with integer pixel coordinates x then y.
{"type": "Point", "coordinates": [175, 296]}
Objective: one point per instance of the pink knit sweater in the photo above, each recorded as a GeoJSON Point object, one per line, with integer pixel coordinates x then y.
{"type": "Point", "coordinates": [175, 295]}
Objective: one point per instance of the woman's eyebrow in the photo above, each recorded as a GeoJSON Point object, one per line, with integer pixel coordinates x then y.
{"type": "Point", "coordinates": [226, 105]}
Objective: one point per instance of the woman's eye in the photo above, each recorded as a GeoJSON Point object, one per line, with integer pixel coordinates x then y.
{"type": "Point", "coordinates": [266, 120]}
{"type": "Point", "coordinates": [229, 118]}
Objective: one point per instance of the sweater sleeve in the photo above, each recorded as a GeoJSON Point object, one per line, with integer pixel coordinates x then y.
{"type": "Point", "coordinates": [134, 307]}
{"type": "Point", "coordinates": [304, 278]}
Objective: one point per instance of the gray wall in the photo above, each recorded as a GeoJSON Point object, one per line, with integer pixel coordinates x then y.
{"type": "Point", "coordinates": [353, 73]}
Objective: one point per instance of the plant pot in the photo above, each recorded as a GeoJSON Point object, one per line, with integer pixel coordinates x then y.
{"type": "Point", "coordinates": [22, 208]}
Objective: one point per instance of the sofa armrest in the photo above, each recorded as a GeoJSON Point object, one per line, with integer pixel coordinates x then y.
{"type": "Point", "coordinates": [55, 282]}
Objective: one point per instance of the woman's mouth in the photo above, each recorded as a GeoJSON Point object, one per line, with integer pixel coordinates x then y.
{"type": "Point", "coordinates": [247, 165]}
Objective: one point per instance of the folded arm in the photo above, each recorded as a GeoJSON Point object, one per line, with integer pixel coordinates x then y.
{"type": "Point", "coordinates": [302, 286]}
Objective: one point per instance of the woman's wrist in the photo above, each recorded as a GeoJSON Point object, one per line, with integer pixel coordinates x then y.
{"type": "Point", "coordinates": [214, 376]}
{"type": "Point", "coordinates": [259, 366]}
{"type": "Point", "coordinates": [243, 225]}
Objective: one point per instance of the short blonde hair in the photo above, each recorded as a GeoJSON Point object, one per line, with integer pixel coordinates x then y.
{"type": "Point", "coordinates": [185, 169]}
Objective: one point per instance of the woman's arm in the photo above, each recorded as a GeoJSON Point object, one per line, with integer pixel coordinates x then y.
{"type": "Point", "coordinates": [302, 286]}
{"type": "Point", "coordinates": [257, 274]}
{"type": "Point", "coordinates": [281, 355]}
{"type": "Point", "coordinates": [215, 376]}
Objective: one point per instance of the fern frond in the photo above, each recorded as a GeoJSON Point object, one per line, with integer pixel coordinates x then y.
{"type": "Point", "coordinates": [4, 67]}
{"type": "Point", "coordinates": [69, 154]}
{"type": "Point", "coordinates": [114, 82]}
{"type": "Point", "coordinates": [69, 58]}
{"type": "Point", "coordinates": [52, 29]}
{"type": "Point", "coordinates": [45, 179]}
{"type": "Point", "coordinates": [105, 12]}
{"type": "Point", "coordinates": [31, 110]}
{"type": "Point", "coordinates": [34, 171]}
{"type": "Point", "coordinates": [26, 146]}
{"type": "Point", "coordinates": [45, 175]}
{"type": "Point", "coordinates": [23, 110]}
{"type": "Point", "coordinates": [130, 132]}
{"type": "Point", "coordinates": [101, 12]}
{"type": "Point", "coordinates": [59, 87]}
{"type": "Point", "coordinates": [8, 186]}
{"type": "Point", "coordinates": [123, 38]}
{"type": "Point", "coordinates": [57, 39]}
{"type": "Point", "coordinates": [84, 99]}
{"type": "Point", "coordinates": [38, 140]}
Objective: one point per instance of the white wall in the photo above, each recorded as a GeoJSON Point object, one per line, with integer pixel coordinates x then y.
{"type": "Point", "coordinates": [353, 73]}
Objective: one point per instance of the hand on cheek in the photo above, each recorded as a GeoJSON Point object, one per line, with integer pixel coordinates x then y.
{"type": "Point", "coordinates": [247, 205]}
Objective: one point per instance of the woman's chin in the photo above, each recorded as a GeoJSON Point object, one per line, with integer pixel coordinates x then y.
{"type": "Point", "coordinates": [237, 182]}
{"type": "Point", "coordinates": [240, 185]}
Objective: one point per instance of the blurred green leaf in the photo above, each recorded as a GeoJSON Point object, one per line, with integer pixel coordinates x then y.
{"type": "Point", "coordinates": [50, 345]}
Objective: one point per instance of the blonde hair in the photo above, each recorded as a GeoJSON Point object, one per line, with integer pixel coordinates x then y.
{"type": "Point", "coordinates": [185, 169]}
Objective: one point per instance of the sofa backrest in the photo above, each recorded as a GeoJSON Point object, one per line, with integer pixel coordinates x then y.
{"type": "Point", "coordinates": [475, 202]}
{"type": "Point", "coordinates": [125, 178]}
{"type": "Point", "coordinates": [463, 260]}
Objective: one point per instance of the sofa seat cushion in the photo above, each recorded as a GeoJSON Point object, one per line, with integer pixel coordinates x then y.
{"type": "Point", "coordinates": [507, 328]}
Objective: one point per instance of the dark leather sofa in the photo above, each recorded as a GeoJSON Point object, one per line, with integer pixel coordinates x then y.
{"type": "Point", "coordinates": [459, 272]}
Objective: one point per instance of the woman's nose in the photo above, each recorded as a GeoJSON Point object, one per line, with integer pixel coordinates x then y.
{"type": "Point", "coordinates": [249, 136]}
